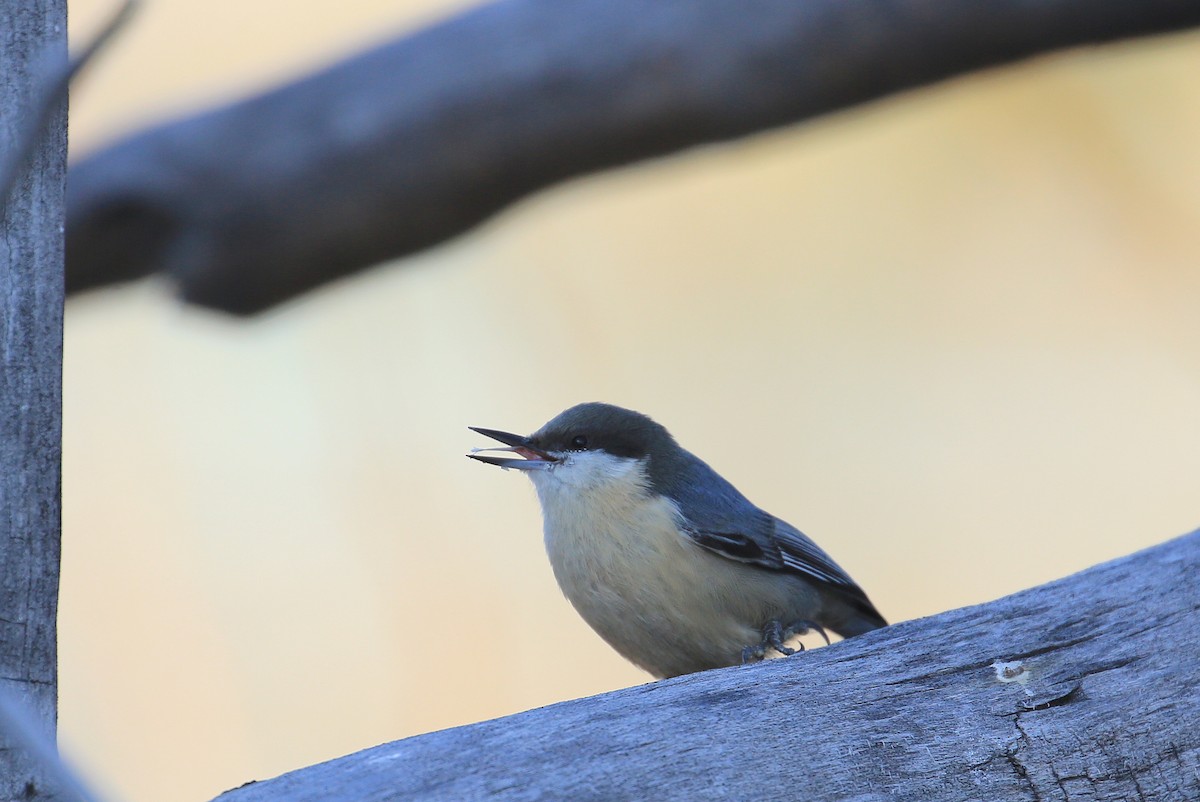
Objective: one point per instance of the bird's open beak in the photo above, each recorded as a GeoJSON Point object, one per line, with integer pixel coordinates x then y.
{"type": "Point", "coordinates": [531, 458]}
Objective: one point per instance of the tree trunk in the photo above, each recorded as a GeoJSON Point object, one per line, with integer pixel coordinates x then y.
{"type": "Point", "coordinates": [32, 38]}
{"type": "Point", "coordinates": [1087, 688]}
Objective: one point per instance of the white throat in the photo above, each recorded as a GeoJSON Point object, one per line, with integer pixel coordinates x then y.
{"type": "Point", "coordinates": [584, 473]}
{"type": "Point", "coordinates": [597, 509]}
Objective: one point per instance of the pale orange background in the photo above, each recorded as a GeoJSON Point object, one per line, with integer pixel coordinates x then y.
{"type": "Point", "coordinates": [954, 336]}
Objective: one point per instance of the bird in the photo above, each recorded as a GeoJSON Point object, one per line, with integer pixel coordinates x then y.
{"type": "Point", "coordinates": [665, 559]}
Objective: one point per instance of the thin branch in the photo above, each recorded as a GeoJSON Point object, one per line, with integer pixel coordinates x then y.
{"type": "Point", "coordinates": [414, 142]}
{"type": "Point", "coordinates": [53, 90]}
{"type": "Point", "coordinates": [18, 728]}
{"type": "Point", "coordinates": [1084, 688]}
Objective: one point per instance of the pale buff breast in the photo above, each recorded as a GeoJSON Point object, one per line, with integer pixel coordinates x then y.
{"type": "Point", "coordinates": [660, 600]}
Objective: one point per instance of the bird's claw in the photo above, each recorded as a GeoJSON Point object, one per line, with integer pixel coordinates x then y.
{"type": "Point", "coordinates": [803, 627]}
{"type": "Point", "coordinates": [773, 636]}
{"type": "Point", "coordinates": [753, 654]}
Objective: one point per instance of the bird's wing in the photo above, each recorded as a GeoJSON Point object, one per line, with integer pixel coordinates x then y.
{"type": "Point", "coordinates": [719, 518]}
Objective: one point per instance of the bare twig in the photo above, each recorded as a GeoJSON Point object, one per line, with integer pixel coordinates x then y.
{"type": "Point", "coordinates": [17, 727]}
{"type": "Point", "coordinates": [414, 142]}
{"type": "Point", "coordinates": [53, 90]}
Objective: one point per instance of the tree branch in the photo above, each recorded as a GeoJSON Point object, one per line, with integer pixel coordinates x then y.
{"type": "Point", "coordinates": [1085, 688]}
{"type": "Point", "coordinates": [414, 142]}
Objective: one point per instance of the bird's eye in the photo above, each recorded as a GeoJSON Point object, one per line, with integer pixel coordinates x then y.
{"type": "Point", "coordinates": [579, 442]}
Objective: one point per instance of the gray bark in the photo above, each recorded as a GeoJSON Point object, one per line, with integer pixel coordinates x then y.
{"type": "Point", "coordinates": [32, 37]}
{"type": "Point", "coordinates": [414, 142]}
{"type": "Point", "coordinates": [1087, 688]}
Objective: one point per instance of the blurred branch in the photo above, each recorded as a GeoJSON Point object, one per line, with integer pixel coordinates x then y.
{"type": "Point", "coordinates": [1085, 688]}
{"type": "Point", "coordinates": [53, 91]}
{"type": "Point", "coordinates": [416, 141]}
{"type": "Point", "coordinates": [18, 728]}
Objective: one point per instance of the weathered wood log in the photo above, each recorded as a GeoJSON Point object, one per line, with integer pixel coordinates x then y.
{"type": "Point", "coordinates": [1087, 688]}
{"type": "Point", "coordinates": [31, 306]}
{"type": "Point", "coordinates": [414, 142]}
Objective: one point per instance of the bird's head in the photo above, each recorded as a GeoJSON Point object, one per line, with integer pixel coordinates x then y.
{"type": "Point", "coordinates": [586, 447]}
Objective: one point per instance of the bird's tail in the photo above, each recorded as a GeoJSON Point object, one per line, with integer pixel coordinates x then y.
{"type": "Point", "coordinates": [851, 613]}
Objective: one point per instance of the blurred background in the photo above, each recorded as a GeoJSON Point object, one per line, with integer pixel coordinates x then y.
{"type": "Point", "coordinates": [952, 336]}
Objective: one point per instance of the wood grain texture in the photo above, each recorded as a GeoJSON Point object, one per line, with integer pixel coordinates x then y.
{"type": "Point", "coordinates": [416, 141]}
{"type": "Point", "coordinates": [1087, 688]}
{"type": "Point", "coordinates": [32, 34]}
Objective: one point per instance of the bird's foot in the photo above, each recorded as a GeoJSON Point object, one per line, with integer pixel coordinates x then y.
{"type": "Point", "coordinates": [773, 637]}
{"type": "Point", "coordinates": [753, 654]}
{"type": "Point", "coordinates": [803, 627]}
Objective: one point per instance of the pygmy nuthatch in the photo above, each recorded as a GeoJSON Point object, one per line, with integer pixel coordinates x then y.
{"type": "Point", "coordinates": [666, 560]}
